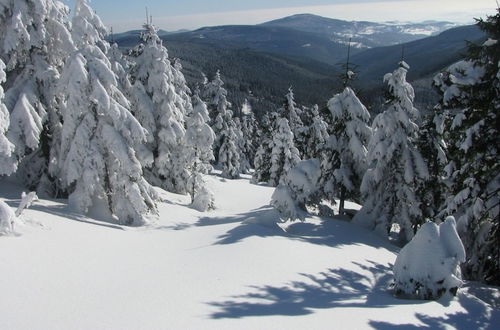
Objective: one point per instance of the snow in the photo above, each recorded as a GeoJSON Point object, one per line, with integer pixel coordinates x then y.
{"type": "Point", "coordinates": [231, 268]}
{"type": "Point", "coordinates": [490, 42]}
{"type": "Point", "coordinates": [428, 266]}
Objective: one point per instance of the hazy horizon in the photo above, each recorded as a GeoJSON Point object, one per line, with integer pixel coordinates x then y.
{"type": "Point", "coordinates": [192, 14]}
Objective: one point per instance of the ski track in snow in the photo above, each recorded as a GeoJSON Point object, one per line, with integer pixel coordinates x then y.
{"type": "Point", "coordinates": [231, 268]}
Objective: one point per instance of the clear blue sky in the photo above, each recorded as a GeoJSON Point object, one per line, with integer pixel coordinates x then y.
{"type": "Point", "coordinates": [190, 14]}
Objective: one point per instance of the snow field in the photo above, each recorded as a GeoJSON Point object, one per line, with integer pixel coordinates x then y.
{"type": "Point", "coordinates": [231, 268]}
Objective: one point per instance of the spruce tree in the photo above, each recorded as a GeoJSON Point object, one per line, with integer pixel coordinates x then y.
{"type": "Point", "coordinates": [199, 139]}
{"type": "Point", "coordinates": [347, 147]}
{"type": "Point", "coordinates": [471, 95]}
{"type": "Point", "coordinates": [262, 161]}
{"type": "Point", "coordinates": [284, 154]}
{"type": "Point", "coordinates": [35, 42]}
{"type": "Point", "coordinates": [97, 160]}
{"type": "Point", "coordinates": [315, 135]}
{"type": "Point", "coordinates": [397, 167]}
{"type": "Point", "coordinates": [8, 163]}
{"type": "Point", "coordinates": [229, 152]}
{"type": "Point", "coordinates": [163, 115]}
{"type": "Point", "coordinates": [249, 133]}
{"type": "Point", "coordinates": [216, 97]}
{"type": "Point", "coordinates": [292, 113]}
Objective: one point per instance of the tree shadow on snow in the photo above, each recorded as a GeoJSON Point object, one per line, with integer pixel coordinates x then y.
{"type": "Point", "coordinates": [263, 222]}
{"type": "Point", "coordinates": [64, 211]}
{"type": "Point", "coordinates": [259, 222]}
{"type": "Point", "coordinates": [477, 315]}
{"type": "Point", "coordinates": [330, 289]}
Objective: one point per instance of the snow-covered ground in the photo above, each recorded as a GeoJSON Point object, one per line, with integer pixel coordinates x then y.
{"type": "Point", "coordinates": [231, 268]}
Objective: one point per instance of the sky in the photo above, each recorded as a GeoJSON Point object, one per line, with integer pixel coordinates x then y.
{"type": "Point", "coordinates": [171, 15]}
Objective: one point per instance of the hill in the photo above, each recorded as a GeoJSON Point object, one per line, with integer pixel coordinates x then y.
{"type": "Point", "coordinates": [364, 34]}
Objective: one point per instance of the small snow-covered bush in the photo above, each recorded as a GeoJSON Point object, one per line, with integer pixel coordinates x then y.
{"type": "Point", "coordinates": [283, 201]}
{"type": "Point", "coordinates": [7, 218]}
{"type": "Point", "coordinates": [26, 201]}
{"type": "Point", "coordinates": [203, 200]}
{"type": "Point", "coordinates": [299, 185]}
{"type": "Point", "coordinates": [428, 266]}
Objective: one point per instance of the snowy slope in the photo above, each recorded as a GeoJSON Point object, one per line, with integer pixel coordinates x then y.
{"type": "Point", "coordinates": [231, 268]}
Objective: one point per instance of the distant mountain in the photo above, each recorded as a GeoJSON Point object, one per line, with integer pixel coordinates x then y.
{"type": "Point", "coordinates": [270, 39]}
{"type": "Point", "coordinates": [425, 56]}
{"type": "Point", "coordinates": [261, 62]}
{"type": "Point", "coordinates": [363, 34]}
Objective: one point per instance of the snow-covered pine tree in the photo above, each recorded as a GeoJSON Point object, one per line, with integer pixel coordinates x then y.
{"type": "Point", "coordinates": [140, 103]}
{"type": "Point", "coordinates": [216, 97]}
{"type": "Point", "coordinates": [351, 134]}
{"type": "Point", "coordinates": [284, 154]}
{"type": "Point", "coordinates": [229, 153]}
{"type": "Point", "coordinates": [433, 148]}
{"type": "Point", "coordinates": [262, 161]}
{"type": "Point", "coordinates": [299, 186]}
{"type": "Point", "coordinates": [163, 115]}
{"type": "Point", "coordinates": [35, 42]}
{"type": "Point", "coordinates": [471, 94]}
{"type": "Point", "coordinates": [397, 167]}
{"type": "Point", "coordinates": [249, 137]}
{"type": "Point", "coordinates": [199, 139]}
{"type": "Point", "coordinates": [8, 163]}
{"type": "Point", "coordinates": [97, 160]}
{"type": "Point", "coordinates": [315, 135]}
{"type": "Point", "coordinates": [292, 113]}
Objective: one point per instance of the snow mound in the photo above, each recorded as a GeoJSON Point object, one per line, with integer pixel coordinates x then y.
{"type": "Point", "coordinates": [428, 266]}
{"type": "Point", "coordinates": [300, 183]}
{"type": "Point", "coordinates": [7, 218]}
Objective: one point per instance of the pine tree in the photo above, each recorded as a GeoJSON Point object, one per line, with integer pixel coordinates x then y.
{"type": "Point", "coordinates": [284, 154]}
{"type": "Point", "coordinates": [433, 148]}
{"type": "Point", "coordinates": [471, 94]}
{"type": "Point", "coordinates": [199, 139]}
{"type": "Point", "coordinates": [397, 166]}
{"type": "Point", "coordinates": [229, 153]}
{"type": "Point", "coordinates": [292, 113]}
{"type": "Point", "coordinates": [216, 97]}
{"type": "Point", "coordinates": [8, 163]}
{"type": "Point", "coordinates": [348, 145]}
{"type": "Point", "coordinates": [34, 45]}
{"type": "Point", "coordinates": [97, 160]}
{"type": "Point", "coordinates": [315, 135]}
{"type": "Point", "coordinates": [262, 161]}
{"type": "Point", "coordinates": [163, 115]}
{"type": "Point", "coordinates": [249, 137]}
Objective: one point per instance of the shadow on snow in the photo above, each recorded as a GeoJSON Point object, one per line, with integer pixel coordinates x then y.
{"type": "Point", "coordinates": [342, 288]}
{"type": "Point", "coordinates": [330, 289]}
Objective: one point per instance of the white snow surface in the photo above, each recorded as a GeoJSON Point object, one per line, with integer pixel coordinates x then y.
{"type": "Point", "coordinates": [231, 268]}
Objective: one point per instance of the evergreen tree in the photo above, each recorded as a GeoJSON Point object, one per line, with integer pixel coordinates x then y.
{"type": "Point", "coordinates": [229, 153]}
{"type": "Point", "coordinates": [262, 161]}
{"type": "Point", "coordinates": [35, 42]}
{"type": "Point", "coordinates": [199, 139]}
{"type": "Point", "coordinates": [249, 136]}
{"type": "Point", "coordinates": [292, 113]}
{"type": "Point", "coordinates": [163, 115]}
{"type": "Point", "coordinates": [315, 135]}
{"type": "Point", "coordinates": [397, 167]}
{"type": "Point", "coordinates": [471, 94]}
{"type": "Point", "coordinates": [433, 148]}
{"type": "Point", "coordinates": [348, 145]}
{"type": "Point", "coordinates": [8, 164]}
{"type": "Point", "coordinates": [216, 97]}
{"type": "Point", "coordinates": [97, 160]}
{"type": "Point", "coordinates": [284, 155]}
